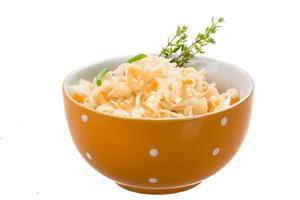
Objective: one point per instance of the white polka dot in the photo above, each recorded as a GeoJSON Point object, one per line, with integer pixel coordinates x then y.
{"type": "Point", "coordinates": [153, 152]}
{"type": "Point", "coordinates": [216, 151]}
{"type": "Point", "coordinates": [84, 118]}
{"type": "Point", "coordinates": [89, 156]}
{"type": "Point", "coordinates": [224, 121]}
{"type": "Point", "coordinates": [152, 180]}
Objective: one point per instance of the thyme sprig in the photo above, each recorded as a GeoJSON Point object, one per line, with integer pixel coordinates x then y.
{"type": "Point", "coordinates": [180, 53]}
{"type": "Point", "coordinates": [176, 43]}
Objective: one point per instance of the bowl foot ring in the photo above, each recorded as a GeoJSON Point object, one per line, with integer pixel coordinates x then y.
{"type": "Point", "coordinates": [158, 191]}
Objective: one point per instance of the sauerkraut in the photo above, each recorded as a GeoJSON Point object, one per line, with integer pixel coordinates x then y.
{"type": "Point", "coordinates": [153, 88]}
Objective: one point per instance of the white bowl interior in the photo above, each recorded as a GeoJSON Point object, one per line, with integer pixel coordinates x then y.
{"type": "Point", "coordinates": [225, 75]}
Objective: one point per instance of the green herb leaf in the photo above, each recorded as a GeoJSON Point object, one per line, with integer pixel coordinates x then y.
{"type": "Point", "coordinates": [137, 57]}
{"type": "Point", "coordinates": [180, 53]}
{"type": "Point", "coordinates": [100, 76]}
{"type": "Point", "coordinates": [176, 43]}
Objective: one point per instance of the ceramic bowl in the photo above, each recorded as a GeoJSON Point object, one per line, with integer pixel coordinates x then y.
{"type": "Point", "coordinates": [161, 156]}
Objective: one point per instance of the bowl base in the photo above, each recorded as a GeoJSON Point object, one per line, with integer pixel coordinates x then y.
{"type": "Point", "coordinates": [157, 191]}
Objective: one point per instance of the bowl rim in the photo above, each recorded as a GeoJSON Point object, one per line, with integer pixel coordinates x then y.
{"type": "Point", "coordinates": [111, 59]}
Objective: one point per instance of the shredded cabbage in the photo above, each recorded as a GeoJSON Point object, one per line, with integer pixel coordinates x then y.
{"type": "Point", "coordinates": [153, 88]}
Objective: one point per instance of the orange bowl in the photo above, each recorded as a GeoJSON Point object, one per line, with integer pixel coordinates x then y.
{"type": "Point", "coordinates": [160, 156]}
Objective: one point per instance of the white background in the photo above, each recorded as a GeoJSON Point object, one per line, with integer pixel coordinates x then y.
{"type": "Point", "coordinates": [42, 41]}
